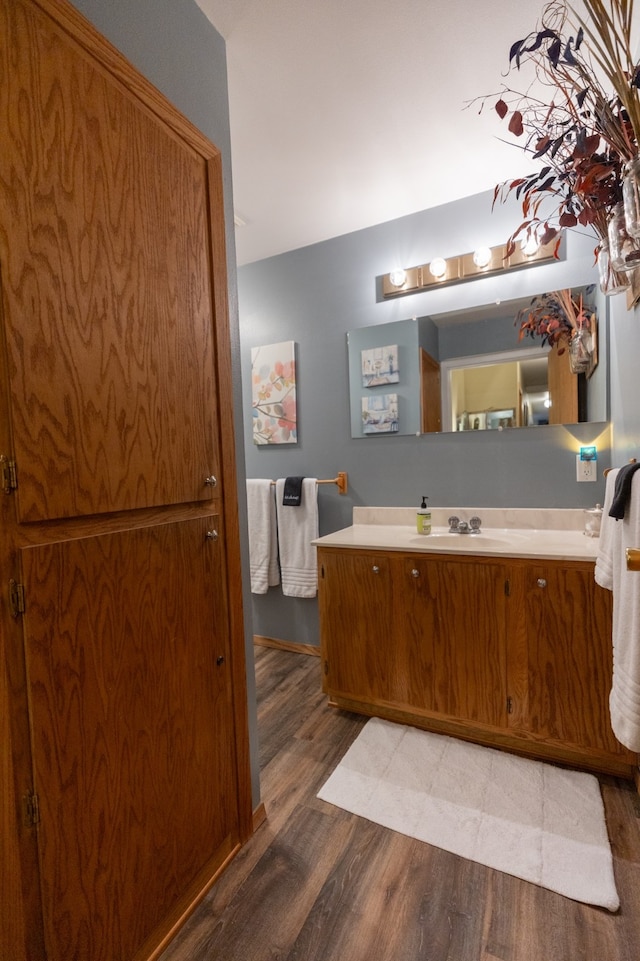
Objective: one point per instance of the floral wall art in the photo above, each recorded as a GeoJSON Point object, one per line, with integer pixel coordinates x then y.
{"type": "Point", "coordinates": [273, 393]}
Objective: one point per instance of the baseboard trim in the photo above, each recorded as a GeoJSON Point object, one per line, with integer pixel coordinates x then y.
{"type": "Point", "coordinates": [259, 816]}
{"type": "Point", "coordinates": [261, 641]}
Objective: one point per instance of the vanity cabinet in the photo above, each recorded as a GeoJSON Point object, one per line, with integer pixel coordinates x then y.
{"type": "Point", "coordinates": [506, 652]}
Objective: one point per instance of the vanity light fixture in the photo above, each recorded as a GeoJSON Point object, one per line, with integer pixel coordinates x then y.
{"type": "Point", "coordinates": [484, 260]}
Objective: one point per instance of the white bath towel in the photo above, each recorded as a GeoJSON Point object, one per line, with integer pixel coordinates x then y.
{"type": "Point", "coordinates": [297, 527]}
{"type": "Point", "coordinates": [604, 560]}
{"type": "Point", "coordinates": [263, 535]}
{"type": "Point", "coordinates": [611, 572]}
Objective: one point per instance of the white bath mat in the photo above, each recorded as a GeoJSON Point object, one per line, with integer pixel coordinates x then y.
{"type": "Point", "coordinates": [529, 819]}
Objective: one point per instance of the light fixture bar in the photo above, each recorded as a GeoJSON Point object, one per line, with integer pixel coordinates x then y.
{"type": "Point", "coordinates": [442, 272]}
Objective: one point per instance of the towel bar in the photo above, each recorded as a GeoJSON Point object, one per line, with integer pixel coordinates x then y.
{"type": "Point", "coordinates": [608, 470]}
{"type": "Point", "coordinates": [633, 558]}
{"type": "Point", "coordinates": [342, 481]}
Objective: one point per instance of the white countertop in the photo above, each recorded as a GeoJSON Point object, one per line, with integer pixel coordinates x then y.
{"type": "Point", "coordinates": [394, 529]}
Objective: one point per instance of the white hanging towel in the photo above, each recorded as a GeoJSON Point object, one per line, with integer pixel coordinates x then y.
{"type": "Point", "coordinates": [263, 535]}
{"type": "Point", "coordinates": [297, 527]}
{"type": "Point", "coordinates": [611, 572]}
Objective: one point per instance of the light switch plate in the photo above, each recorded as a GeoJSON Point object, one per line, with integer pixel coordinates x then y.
{"type": "Point", "coordinates": [586, 470]}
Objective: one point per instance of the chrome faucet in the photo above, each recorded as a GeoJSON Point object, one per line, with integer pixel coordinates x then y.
{"type": "Point", "coordinates": [456, 526]}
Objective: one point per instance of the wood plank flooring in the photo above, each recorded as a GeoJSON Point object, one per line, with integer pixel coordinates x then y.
{"type": "Point", "coordinates": [318, 884]}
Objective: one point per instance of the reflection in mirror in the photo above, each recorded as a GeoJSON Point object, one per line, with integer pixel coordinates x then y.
{"type": "Point", "coordinates": [449, 363]}
{"type": "Point", "coordinates": [521, 387]}
{"type": "Point", "coordinates": [510, 389]}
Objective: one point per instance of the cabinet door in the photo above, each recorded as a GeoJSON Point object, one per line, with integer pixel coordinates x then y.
{"type": "Point", "coordinates": [105, 252]}
{"type": "Point", "coordinates": [569, 658]}
{"type": "Point", "coordinates": [131, 719]}
{"type": "Point", "coordinates": [452, 635]}
{"type": "Point", "coordinates": [357, 622]}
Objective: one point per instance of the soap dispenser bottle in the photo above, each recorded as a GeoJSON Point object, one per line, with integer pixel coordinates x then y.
{"type": "Point", "coordinates": [423, 517]}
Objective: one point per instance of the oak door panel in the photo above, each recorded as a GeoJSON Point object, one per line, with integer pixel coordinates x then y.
{"type": "Point", "coordinates": [356, 611]}
{"type": "Point", "coordinates": [130, 711]}
{"type": "Point", "coordinates": [569, 657]}
{"type": "Point", "coordinates": [105, 259]}
{"type": "Point", "coordinates": [454, 636]}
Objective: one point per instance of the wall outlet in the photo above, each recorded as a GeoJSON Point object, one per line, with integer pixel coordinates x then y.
{"type": "Point", "coordinates": [586, 470]}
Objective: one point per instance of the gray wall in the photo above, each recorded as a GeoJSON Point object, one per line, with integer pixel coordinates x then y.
{"type": "Point", "coordinates": [625, 381]}
{"type": "Point", "coordinates": [314, 296]}
{"type": "Point", "coordinates": [174, 45]}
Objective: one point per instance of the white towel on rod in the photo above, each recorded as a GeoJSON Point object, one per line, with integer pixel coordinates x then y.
{"type": "Point", "coordinates": [297, 527]}
{"type": "Point", "coordinates": [611, 572]}
{"type": "Point", "coordinates": [263, 535]}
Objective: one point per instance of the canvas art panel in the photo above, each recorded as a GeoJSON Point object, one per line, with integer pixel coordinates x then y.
{"type": "Point", "coordinates": [380, 366]}
{"type": "Point", "coordinates": [380, 414]}
{"type": "Point", "coordinates": [273, 394]}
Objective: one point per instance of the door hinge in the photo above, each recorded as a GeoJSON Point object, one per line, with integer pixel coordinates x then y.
{"type": "Point", "coordinates": [8, 474]}
{"type": "Point", "coordinates": [509, 705]}
{"type": "Point", "coordinates": [31, 809]}
{"type": "Point", "coordinates": [507, 587]}
{"type": "Point", "coordinates": [16, 598]}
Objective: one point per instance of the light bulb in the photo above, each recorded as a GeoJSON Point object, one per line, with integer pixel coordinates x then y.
{"type": "Point", "coordinates": [397, 277]}
{"type": "Point", "coordinates": [438, 268]}
{"type": "Point", "coordinates": [530, 246]}
{"type": "Point", "coordinates": [482, 257]}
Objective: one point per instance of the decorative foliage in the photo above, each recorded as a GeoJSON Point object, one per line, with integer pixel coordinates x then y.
{"type": "Point", "coordinates": [582, 134]}
{"type": "Point", "coordinates": [555, 317]}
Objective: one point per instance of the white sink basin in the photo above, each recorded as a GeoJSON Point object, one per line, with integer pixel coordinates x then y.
{"type": "Point", "coordinates": [469, 542]}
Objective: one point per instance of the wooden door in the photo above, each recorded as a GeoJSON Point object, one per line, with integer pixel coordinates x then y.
{"type": "Point", "coordinates": [430, 394]}
{"type": "Point", "coordinates": [130, 706]}
{"type": "Point", "coordinates": [569, 663]}
{"type": "Point", "coordinates": [116, 461]}
{"type": "Point", "coordinates": [358, 629]}
{"type": "Point", "coordinates": [453, 631]}
{"type": "Point", "coordinates": [563, 388]}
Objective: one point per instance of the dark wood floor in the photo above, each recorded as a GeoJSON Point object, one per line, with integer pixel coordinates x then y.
{"type": "Point", "coordinates": [318, 884]}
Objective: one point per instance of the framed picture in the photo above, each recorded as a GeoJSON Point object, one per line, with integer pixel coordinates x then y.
{"type": "Point", "coordinates": [380, 414]}
{"type": "Point", "coordinates": [273, 394]}
{"type": "Point", "coordinates": [380, 366]}
{"type": "Point", "coordinates": [477, 420]}
{"type": "Point", "coordinates": [499, 419]}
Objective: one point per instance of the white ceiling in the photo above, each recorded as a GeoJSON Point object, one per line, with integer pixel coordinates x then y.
{"type": "Point", "coordinates": [349, 113]}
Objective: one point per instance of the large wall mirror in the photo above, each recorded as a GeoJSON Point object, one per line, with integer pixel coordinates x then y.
{"type": "Point", "coordinates": [467, 370]}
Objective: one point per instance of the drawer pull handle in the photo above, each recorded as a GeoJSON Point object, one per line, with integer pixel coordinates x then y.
{"type": "Point", "coordinates": [415, 572]}
{"type": "Point", "coordinates": [542, 582]}
{"type": "Point", "coordinates": [375, 569]}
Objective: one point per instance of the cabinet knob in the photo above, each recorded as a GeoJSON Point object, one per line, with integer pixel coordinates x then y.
{"type": "Point", "coordinates": [212, 535]}
{"type": "Point", "coordinates": [210, 481]}
{"type": "Point", "coordinates": [542, 582]}
{"type": "Point", "coordinates": [375, 569]}
{"type": "Point", "coordinates": [220, 660]}
{"type": "Point", "coordinates": [415, 572]}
